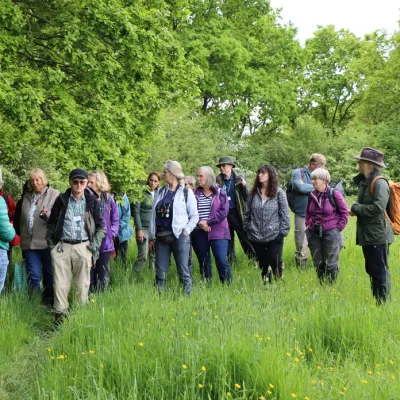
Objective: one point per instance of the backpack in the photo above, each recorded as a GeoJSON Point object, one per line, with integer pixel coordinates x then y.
{"type": "Point", "coordinates": [392, 211]}
{"type": "Point", "coordinates": [291, 193]}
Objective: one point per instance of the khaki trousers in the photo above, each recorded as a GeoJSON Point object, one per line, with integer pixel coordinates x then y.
{"type": "Point", "coordinates": [300, 239]}
{"type": "Point", "coordinates": [75, 263]}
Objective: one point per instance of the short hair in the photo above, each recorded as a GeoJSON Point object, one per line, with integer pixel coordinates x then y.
{"type": "Point", "coordinates": [157, 174]}
{"type": "Point", "coordinates": [190, 180]}
{"type": "Point", "coordinates": [318, 158]}
{"type": "Point", "coordinates": [210, 176]}
{"type": "Point", "coordinates": [41, 174]}
{"type": "Point", "coordinates": [101, 181]}
{"type": "Point", "coordinates": [321, 173]}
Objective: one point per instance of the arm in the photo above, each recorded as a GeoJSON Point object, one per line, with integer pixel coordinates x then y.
{"type": "Point", "coordinates": [284, 216]}
{"type": "Point", "coordinates": [378, 206]}
{"type": "Point", "coordinates": [7, 231]}
{"type": "Point", "coordinates": [298, 183]}
{"type": "Point", "coordinates": [191, 208]}
{"type": "Point", "coordinates": [341, 209]}
{"type": "Point", "coordinates": [11, 208]}
{"type": "Point", "coordinates": [223, 210]}
{"type": "Point", "coordinates": [247, 213]}
{"type": "Point", "coordinates": [52, 223]}
{"type": "Point", "coordinates": [100, 230]}
{"type": "Point", "coordinates": [308, 215]}
{"type": "Point", "coordinates": [136, 215]}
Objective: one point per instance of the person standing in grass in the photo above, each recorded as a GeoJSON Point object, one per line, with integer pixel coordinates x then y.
{"type": "Point", "coordinates": [100, 273]}
{"type": "Point", "coordinates": [302, 186]}
{"type": "Point", "coordinates": [267, 221]}
{"type": "Point", "coordinates": [212, 231]}
{"type": "Point", "coordinates": [74, 234]}
{"type": "Point", "coordinates": [141, 213]}
{"type": "Point", "coordinates": [173, 218]}
{"type": "Point", "coordinates": [7, 234]}
{"type": "Point", "coordinates": [326, 217]}
{"type": "Point", "coordinates": [374, 229]}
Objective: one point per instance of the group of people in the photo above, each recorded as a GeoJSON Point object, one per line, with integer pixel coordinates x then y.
{"type": "Point", "coordinates": [72, 236]}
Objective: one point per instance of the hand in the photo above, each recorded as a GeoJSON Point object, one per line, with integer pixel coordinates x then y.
{"type": "Point", "coordinates": [243, 182]}
{"type": "Point", "coordinates": [351, 213]}
{"type": "Point", "coordinates": [139, 236]}
{"type": "Point", "coordinates": [152, 246]}
{"type": "Point", "coordinates": [44, 213]}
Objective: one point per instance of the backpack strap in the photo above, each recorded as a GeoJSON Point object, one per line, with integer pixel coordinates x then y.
{"type": "Point", "coordinates": [332, 198]}
{"type": "Point", "coordinates": [371, 191]}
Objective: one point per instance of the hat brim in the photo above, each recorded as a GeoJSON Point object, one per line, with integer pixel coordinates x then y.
{"type": "Point", "coordinates": [233, 165]}
{"type": "Point", "coordinates": [371, 161]}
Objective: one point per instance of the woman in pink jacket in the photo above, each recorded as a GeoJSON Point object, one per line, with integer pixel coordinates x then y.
{"type": "Point", "coordinates": [326, 217]}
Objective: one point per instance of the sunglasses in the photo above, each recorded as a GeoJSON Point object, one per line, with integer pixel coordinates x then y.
{"type": "Point", "coordinates": [79, 182]}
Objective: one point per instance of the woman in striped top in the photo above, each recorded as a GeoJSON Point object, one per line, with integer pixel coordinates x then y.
{"type": "Point", "coordinates": [212, 230]}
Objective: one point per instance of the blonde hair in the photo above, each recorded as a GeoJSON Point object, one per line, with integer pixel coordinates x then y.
{"type": "Point", "coordinates": [318, 158]}
{"type": "Point", "coordinates": [101, 181]}
{"type": "Point", "coordinates": [175, 168]}
{"type": "Point", "coordinates": [40, 173]}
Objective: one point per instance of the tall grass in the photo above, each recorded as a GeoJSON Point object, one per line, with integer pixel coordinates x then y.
{"type": "Point", "coordinates": [293, 339]}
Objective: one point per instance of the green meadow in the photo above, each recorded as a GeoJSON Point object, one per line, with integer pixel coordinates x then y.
{"type": "Point", "coordinates": [291, 339]}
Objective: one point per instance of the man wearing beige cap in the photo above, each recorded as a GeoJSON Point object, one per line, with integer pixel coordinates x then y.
{"type": "Point", "coordinates": [374, 229]}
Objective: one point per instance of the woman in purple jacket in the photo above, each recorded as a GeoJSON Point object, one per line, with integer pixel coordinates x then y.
{"type": "Point", "coordinates": [212, 231]}
{"type": "Point", "coordinates": [326, 217]}
{"type": "Point", "coordinates": [100, 273]}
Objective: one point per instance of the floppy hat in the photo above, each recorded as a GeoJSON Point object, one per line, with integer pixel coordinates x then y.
{"type": "Point", "coordinates": [371, 155]}
{"type": "Point", "coordinates": [226, 160]}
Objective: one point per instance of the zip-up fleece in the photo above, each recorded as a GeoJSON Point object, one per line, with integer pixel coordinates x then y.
{"type": "Point", "coordinates": [94, 222]}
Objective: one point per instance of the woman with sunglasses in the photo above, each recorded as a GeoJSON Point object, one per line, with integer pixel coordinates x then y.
{"type": "Point", "coordinates": [100, 274]}
{"type": "Point", "coordinates": [173, 218]}
{"type": "Point", "coordinates": [267, 221]}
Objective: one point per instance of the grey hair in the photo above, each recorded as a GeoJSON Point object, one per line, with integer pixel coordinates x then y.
{"type": "Point", "coordinates": [40, 173]}
{"type": "Point", "coordinates": [175, 168]}
{"type": "Point", "coordinates": [210, 176]}
{"type": "Point", "coordinates": [190, 180]}
{"type": "Point", "coordinates": [321, 173]}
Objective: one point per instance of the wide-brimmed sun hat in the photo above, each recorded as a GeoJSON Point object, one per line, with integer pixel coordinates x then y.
{"type": "Point", "coordinates": [371, 155]}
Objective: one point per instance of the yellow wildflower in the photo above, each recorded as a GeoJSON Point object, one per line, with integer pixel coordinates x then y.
{"type": "Point", "coordinates": [370, 372]}
{"type": "Point", "coordinates": [101, 366]}
{"type": "Point", "coordinates": [344, 388]}
{"type": "Point", "coordinates": [49, 350]}
{"type": "Point", "coordinates": [269, 392]}
{"type": "Point", "coordinates": [297, 360]}
{"type": "Point", "coordinates": [331, 369]}
{"type": "Point", "coordinates": [293, 395]}
{"type": "Point", "coordinates": [141, 344]}
{"type": "Point", "coordinates": [306, 398]}
{"type": "Point", "coordinates": [200, 385]}
{"type": "Point", "coordinates": [314, 382]}
{"type": "Point", "coordinates": [271, 386]}
{"type": "Point", "coordinates": [364, 381]}
{"type": "Point", "coordinates": [237, 386]}
{"type": "Point", "coordinates": [93, 300]}
{"type": "Point", "coordinates": [261, 398]}
{"type": "Point", "coordinates": [391, 361]}
{"type": "Point", "coordinates": [203, 368]}
{"type": "Point", "coordinates": [288, 354]}
{"type": "Point", "coordinates": [228, 394]}
{"type": "Point", "coordinates": [184, 366]}
{"type": "Point", "coordinates": [91, 351]}
{"type": "Point", "coordinates": [268, 338]}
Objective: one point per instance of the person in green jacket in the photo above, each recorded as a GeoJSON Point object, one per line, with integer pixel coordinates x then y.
{"type": "Point", "coordinates": [374, 229]}
{"type": "Point", "coordinates": [141, 213]}
{"type": "Point", "coordinates": [7, 234]}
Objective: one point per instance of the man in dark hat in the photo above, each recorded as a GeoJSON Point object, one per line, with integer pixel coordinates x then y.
{"type": "Point", "coordinates": [74, 233]}
{"type": "Point", "coordinates": [374, 229]}
{"type": "Point", "coordinates": [236, 188]}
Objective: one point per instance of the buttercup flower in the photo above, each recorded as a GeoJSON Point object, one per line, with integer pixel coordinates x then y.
{"type": "Point", "coordinates": [141, 344]}
{"type": "Point", "coordinates": [203, 368]}
{"type": "Point", "coordinates": [237, 386]}
{"type": "Point", "coordinates": [184, 366]}
{"type": "Point", "coordinates": [200, 385]}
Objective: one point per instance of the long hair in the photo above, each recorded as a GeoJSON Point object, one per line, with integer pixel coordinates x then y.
{"type": "Point", "coordinates": [101, 181]}
{"type": "Point", "coordinates": [273, 180]}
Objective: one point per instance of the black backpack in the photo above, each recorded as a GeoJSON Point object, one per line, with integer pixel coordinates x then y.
{"type": "Point", "coordinates": [291, 193]}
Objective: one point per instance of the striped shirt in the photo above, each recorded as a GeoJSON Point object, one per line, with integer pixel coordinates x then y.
{"type": "Point", "coordinates": [204, 206]}
{"type": "Point", "coordinates": [74, 222]}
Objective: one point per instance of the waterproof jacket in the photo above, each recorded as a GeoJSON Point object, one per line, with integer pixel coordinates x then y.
{"type": "Point", "coordinates": [320, 211]}
{"type": "Point", "coordinates": [217, 219]}
{"type": "Point", "coordinates": [124, 214]}
{"type": "Point", "coordinates": [109, 209]}
{"type": "Point", "coordinates": [184, 217]}
{"type": "Point", "coordinates": [141, 211]}
{"type": "Point", "coordinates": [264, 222]}
{"type": "Point", "coordinates": [37, 239]}
{"type": "Point", "coordinates": [7, 231]}
{"type": "Point", "coordinates": [241, 193]}
{"type": "Point", "coordinates": [372, 225]}
{"type": "Point", "coordinates": [94, 221]}
{"type": "Point", "coordinates": [302, 186]}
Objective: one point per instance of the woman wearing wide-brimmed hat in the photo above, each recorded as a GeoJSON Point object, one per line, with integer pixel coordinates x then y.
{"type": "Point", "coordinates": [374, 229]}
{"type": "Point", "coordinates": [173, 218]}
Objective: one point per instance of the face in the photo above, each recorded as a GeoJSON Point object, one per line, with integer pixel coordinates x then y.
{"type": "Point", "coordinates": [168, 177]}
{"type": "Point", "coordinates": [312, 166]}
{"type": "Point", "coordinates": [319, 184]}
{"type": "Point", "coordinates": [189, 185]}
{"type": "Point", "coordinates": [153, 183]}
{"type": "Point", "coordinates": [365, 167]}
{"type": "Point", "coordinates": [201, 178]}
{"type": "Point", "coordinates": [263, 176]}
{"type": "Point", "coordinates": [78, 185]}
{"type": "Point", "coordinates": [91, 182]}
{"type": "Point", "coordinates": [226, 169]}
{"type": "Point", "coordinates": [36, 183]}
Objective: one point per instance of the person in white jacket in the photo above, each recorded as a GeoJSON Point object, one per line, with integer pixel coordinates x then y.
{"type": "Point", "coordinates": [173, 218]}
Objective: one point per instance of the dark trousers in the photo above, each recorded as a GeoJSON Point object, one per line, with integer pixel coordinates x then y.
{"type": "Point", "coordinates": [201, 246]}
{"type": "Point", "coordinates": [100, 273]}
{"type": "Point", "coordinates": [236, 225]}
{"type": "Point", "coordinates": [376, 265]}
{"type": "Point", "coordinates": [269, 254]}
{"type": "Point", "coordinates": [39, 267]}
{"type": "Point", "coordinates": [121, 250]}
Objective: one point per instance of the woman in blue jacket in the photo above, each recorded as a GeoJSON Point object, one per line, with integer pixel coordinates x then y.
{"type": "Point", "coordinates": [7, 234]}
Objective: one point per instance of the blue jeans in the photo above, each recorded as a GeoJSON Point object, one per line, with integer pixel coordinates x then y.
{"type": "Point", "coordinates": [38, 263]}
{"type": "Point", "coordinates": [201, 246]}
{"type": "Point", "coordinates": [3, 267]}
{"type": "Point", "coordinates": [180, 249]}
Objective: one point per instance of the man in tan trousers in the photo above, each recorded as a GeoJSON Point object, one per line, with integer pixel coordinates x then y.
{"type": "Point", "coordinates": [74, 234]}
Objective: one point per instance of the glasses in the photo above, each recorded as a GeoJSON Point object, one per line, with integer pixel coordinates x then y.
{"type": "Point", "coordinates": [78, 182]}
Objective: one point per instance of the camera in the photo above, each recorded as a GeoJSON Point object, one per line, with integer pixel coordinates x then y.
{"type": "Point", "coordinates": [318, 230]}
{"type": "Point", "coordinates": [164, 209]}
